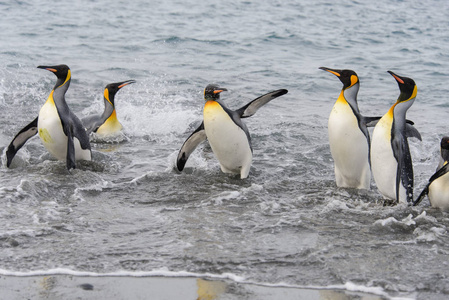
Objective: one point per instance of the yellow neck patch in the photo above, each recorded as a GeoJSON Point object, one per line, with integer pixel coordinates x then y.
{"type": "Point", "coordinates": [211, 104]}
{"type": "Point", "coordinates": [50, 98]}
{"type": "Point", "coordinates": [111, 125]}
{"type": "Point", "coordinates": [341, 98]}
{"type": "Point", "coordinates": [106, 96]}
{"type": "Point", "coordinates": [212, 109]}
{"type": "Point", "coordinates": [390, 112]}
{"type": "Point", "coordinates": [69, 74]}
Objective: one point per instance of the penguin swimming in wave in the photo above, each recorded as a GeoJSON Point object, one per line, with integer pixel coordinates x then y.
{"type": "Point", "coordinates": [106, 124]}
{"type": "Point", "coordinates": [391, 161]}
{"type": "Point", "coordinates": [228, 136]}
{"type": "Point", "coordinates": [438, 187]}
{"type": "Point", "coordinates": [59, 128]}
{"type": "Point", "coordinates": [348, 134]}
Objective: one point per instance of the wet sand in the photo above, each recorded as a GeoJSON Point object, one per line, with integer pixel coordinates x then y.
{"type": "Point", "coordinates": [158, 288]}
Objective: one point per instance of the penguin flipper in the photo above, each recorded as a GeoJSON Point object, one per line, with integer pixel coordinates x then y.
{"type": "Point", "coordinates": [189, 145]}
{"type": "Point", "coordinates": [70, 158]}
{"type": "Point", "coordinates": [81, 135]}
{"type": "Point", "coordinates": [421, 196]}
{"type": "Point", "coordinates": [371, 121]}
{"type": "Point", "coordinates": [91, 124]}
{"type": "Point", "coordinates": [404, 173]}
{"type": "Point", "coordinates": [20, 139]}
{"type": "Point", "coordinates": [411, 131]}
{"type": "Point", "coordinates": [251, 108]}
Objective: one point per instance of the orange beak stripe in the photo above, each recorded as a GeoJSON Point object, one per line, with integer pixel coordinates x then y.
{"type": "Point", "coordinates": [218, 91]}
{"type": "Point", "coordinates": [398, 79]}
{"type": "Point", "coordinates": [335, 73]}
{"type": "Point", "coordinates": [52, 70]}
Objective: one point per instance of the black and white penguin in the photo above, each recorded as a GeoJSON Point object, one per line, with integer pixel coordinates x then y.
{"type": "Point", "coordinates": [391, 161]}
{"type": "Point", "coordinates": [60, 130]}
{"type": "Point", "coordinates": [106, 124]}
{"type": "Point", "coordinates": [349, 138]}
{"type": "Point", "coordinates": [228, 136]}
{"type": "Point", "coordinates": [438, 187]}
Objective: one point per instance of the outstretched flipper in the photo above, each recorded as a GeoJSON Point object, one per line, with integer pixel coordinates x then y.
{"type": "Point", "coordinates": [92, 123]}
{"type": "Point", "coordinates": [371, 121]}
{"type": "Point", "coordinates": [20, 139]}
{"type": "Point", "coordinates": [250, 109]}
{"type": "Point", "coordinates": [189, 145]}
{"type": "Point", "coordinates": [411, 131]}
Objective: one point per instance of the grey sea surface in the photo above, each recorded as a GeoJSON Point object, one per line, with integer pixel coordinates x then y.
{"type": "Point", "coordinates": [287, 224]}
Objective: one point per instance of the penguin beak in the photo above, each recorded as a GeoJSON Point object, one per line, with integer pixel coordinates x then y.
{"type": "Point", "coordinates": [220, 90]}
{"type": "Point", "coordinates": [48, 68]}
{"type": "Point", "coordinates": [398, 78]}
{"type": "Point", "coordinates": [333, 71]}
{"type": "Point", "coordinates": [125, 83]}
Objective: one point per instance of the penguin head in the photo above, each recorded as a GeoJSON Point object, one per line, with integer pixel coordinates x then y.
{"type": "Point", "coordinates": [407, 87]}
{"type": "Point", "coordinates": [112, 89]}
{"type": "Point", "coordinates": [61, 71]}
{"type": "Point", "coordinates": [212, 92]}
{"type": "Point", "coordinates": [445, 148]}
{"type": "Point", "coordinates": [347, 77]}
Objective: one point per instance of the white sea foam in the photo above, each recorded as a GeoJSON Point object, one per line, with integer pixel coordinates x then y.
{"type": "Point", "coordinates": [163, 272]}
{"type": "Point", "coordinates": [408, 221]}
{"type": "Point", "coordinates": [227, 195]}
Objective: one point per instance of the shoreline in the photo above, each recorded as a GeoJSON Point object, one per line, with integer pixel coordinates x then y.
{"type": "Point", "coordinates": [64, 286]}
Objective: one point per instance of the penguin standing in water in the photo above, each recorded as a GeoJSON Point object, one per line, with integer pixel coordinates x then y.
{"type": "Point", "coordinates": [348, 134]}
{"type": "Point", "coordinates": [228, 136]}
{"type": "Point", "coordinates": [391, 161]}
{"type": "Point", "coordinates": [60, 130]}
{"type": "Point", "coordinates": [106, 124]}
{"type": "Point", "coordinates": [438, 187]}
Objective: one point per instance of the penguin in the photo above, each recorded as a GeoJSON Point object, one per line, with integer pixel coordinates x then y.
{"type": "Point", "coordinates": [349, 138]}
{"type": "Point", "coordinates": [391, 161]}
{"type": "Point", "coordinates": [228, 136]}
{"type": "Point", "coordinates": [438, 187]}
{"type": "Point", "coordinates": [60, 130]}
{"type": "Point", "coordinates": [107, 123]}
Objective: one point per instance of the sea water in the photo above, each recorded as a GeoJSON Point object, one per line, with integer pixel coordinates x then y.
{"type": "Point", "coordinates": [130, 211]}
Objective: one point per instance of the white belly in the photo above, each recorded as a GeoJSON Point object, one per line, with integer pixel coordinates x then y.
{"type": "Point", "coordinates": [349, 148]}
{"type": "Point", "coordinates": [227, 140]}
{"type": "Point", "coordinates": [383, 164]}
{"type": "Point", "coordinates": [439, 192]}
{"type": "Point", "coordinates": [53, 137]}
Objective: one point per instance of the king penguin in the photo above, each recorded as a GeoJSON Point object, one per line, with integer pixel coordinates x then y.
{"type": "Point", "coordinates": [60, 130]}
{"type": "Point", "coordinates": [228, 136]}
{"type": "Point", "coordinates": [391, 161]}
{"type": "Point", "coordinates": [106, 124]}
{"type": "Point", "coordinates": [438, 187]}
{"type": "Point", "coordinates": [348, 134]}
